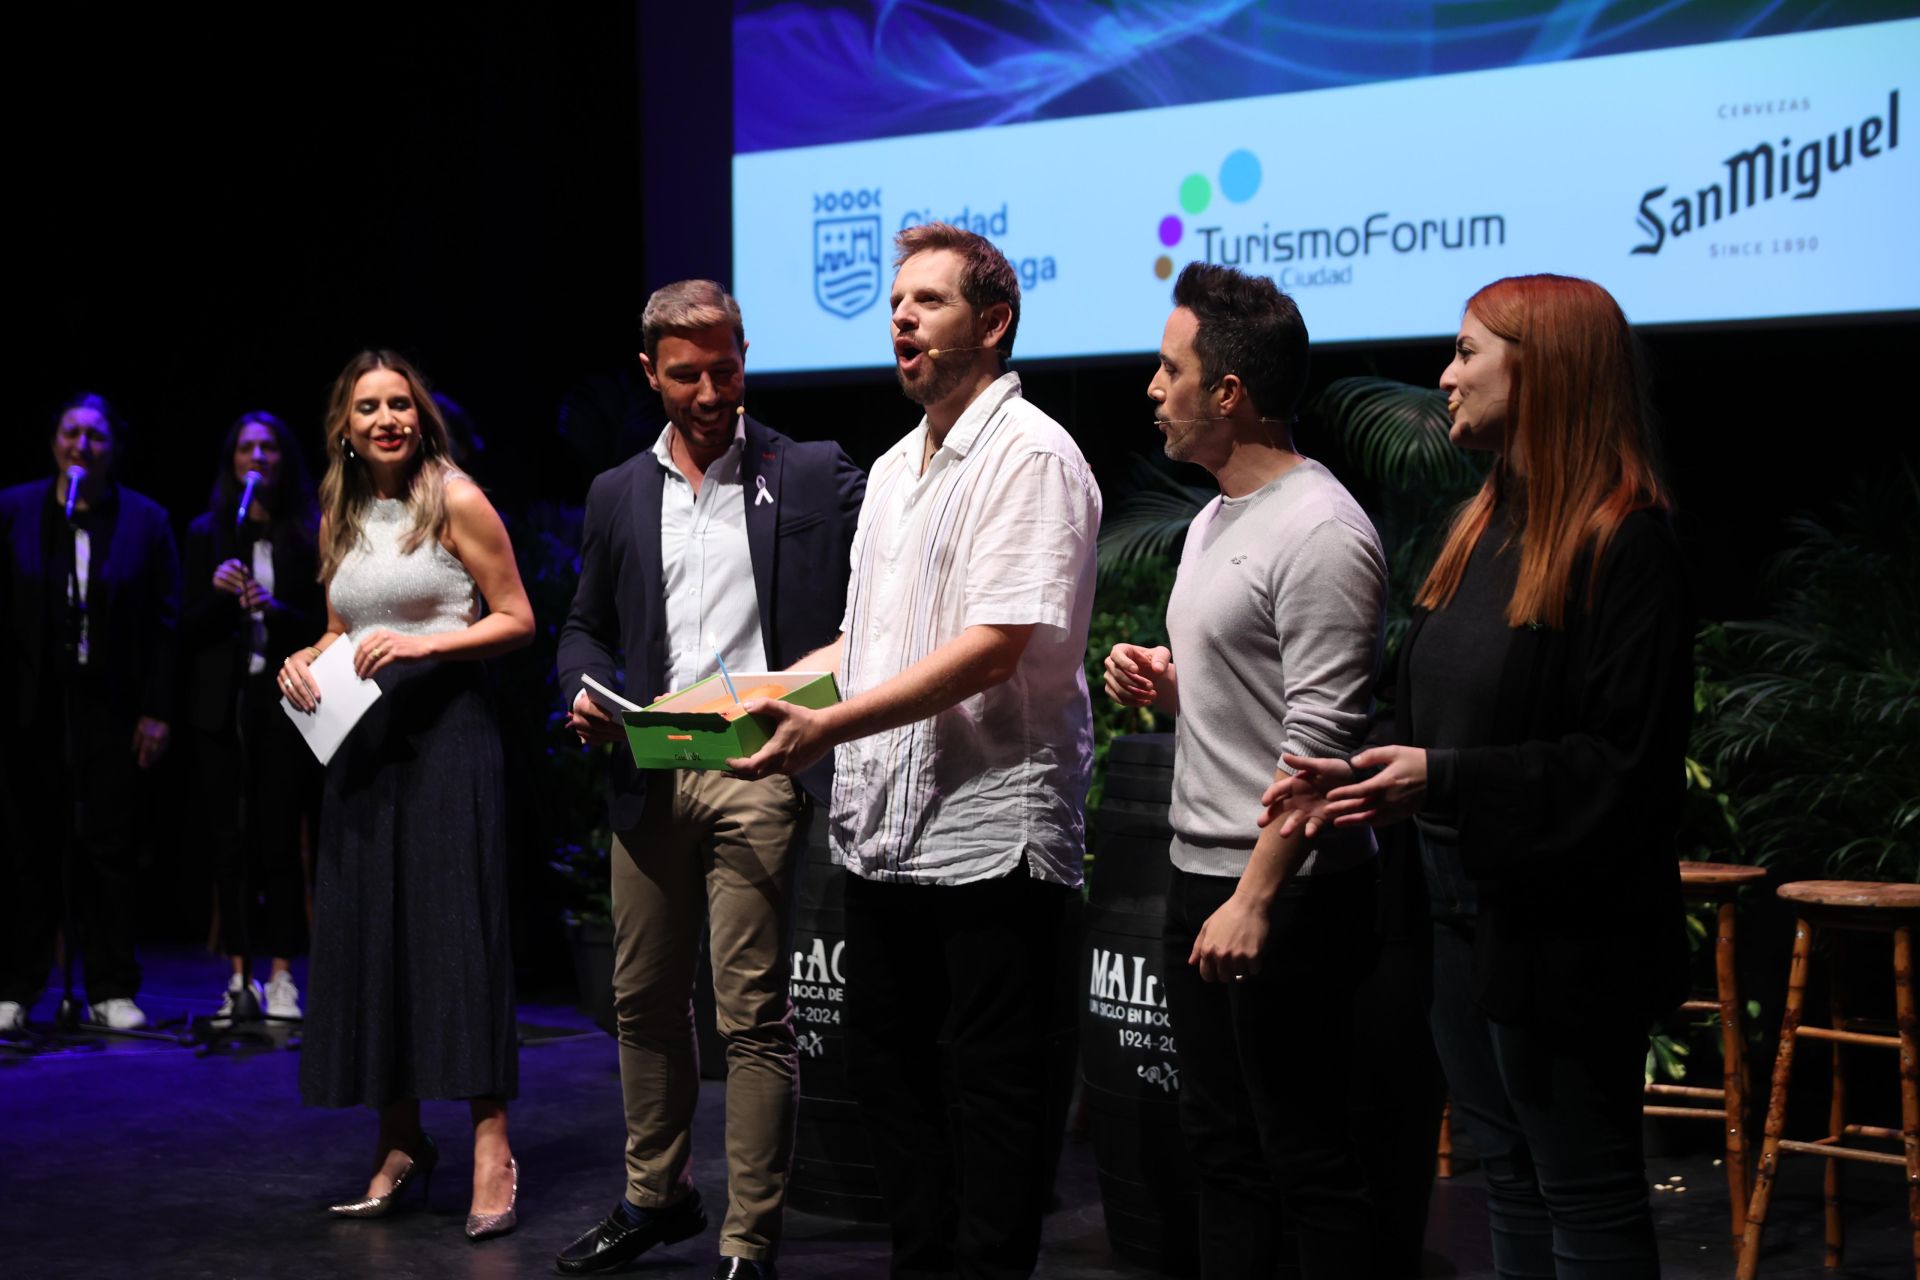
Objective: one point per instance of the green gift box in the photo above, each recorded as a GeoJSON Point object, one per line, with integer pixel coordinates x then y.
{"type": "Point", "coordinates": [681, 731]}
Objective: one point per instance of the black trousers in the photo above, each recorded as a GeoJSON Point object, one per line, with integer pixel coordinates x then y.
{"type": "Point", "coordinates": [103, 780]}
{"type": "Point", "coordinates": [256, 781]}
{"type": "Point", "coordinates": [1264, 1069]}
{"type": "Point", "coordinates": [1556, 1120]}
{"type": "Point", "coordinates": [948, 991]}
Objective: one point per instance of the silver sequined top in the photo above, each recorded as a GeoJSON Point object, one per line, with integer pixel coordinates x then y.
{"type": "Point", "coordinates": [426, 592]}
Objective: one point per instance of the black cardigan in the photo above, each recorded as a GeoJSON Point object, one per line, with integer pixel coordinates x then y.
{"type": "Point", "coordinates": [1569, 832]}
{"type": "Point", "coordinates": [212, 645]}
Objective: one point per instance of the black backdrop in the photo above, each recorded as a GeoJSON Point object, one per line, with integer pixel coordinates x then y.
{"type": "Point", "coordinates": [214, 207]}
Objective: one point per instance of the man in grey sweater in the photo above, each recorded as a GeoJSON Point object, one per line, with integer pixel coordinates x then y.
{"type": "Point", "coordinates": [1275, 619]}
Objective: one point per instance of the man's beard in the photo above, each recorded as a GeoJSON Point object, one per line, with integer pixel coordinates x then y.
{"type": "Point", "coordinates": [939, 382]}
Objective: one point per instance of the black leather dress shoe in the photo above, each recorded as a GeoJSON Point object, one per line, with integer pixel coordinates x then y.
{"type": "Point", "coordinates": [743, 1269]}
{"type": "Point", "coordinates": [616, 1241]}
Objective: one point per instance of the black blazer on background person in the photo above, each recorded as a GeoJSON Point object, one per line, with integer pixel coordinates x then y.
{"type": "Point", "coordinates": [1568, 825]}
{"type": "Point", "coordinates": [133, 599]}
{"type": "Point", "coordinates": [801, 544]}
{"type": "Point", "coordinates": [213, 626]}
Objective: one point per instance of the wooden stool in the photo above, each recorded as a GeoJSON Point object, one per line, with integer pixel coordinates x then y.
{"type": "Point", "coordinates": [1841, 905]}
{"type": "Point", "coordinates": [1718, 883]}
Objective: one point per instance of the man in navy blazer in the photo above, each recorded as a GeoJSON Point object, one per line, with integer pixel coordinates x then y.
{"type": "Point", "coordinates": [726, 536]}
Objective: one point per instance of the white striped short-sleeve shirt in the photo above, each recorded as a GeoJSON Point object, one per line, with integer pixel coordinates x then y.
{"type": "Point", "coordinates": [999, 530]}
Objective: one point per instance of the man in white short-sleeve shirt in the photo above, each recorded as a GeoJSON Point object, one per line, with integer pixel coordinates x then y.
{"type": "Point", "coordinates": [961, 754]}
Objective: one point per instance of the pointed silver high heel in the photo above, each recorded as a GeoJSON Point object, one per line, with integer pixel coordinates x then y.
{"type": "Point", "coordinates": [381, 1206]}
{"type": "Point", "coordinates": [481, 1226]}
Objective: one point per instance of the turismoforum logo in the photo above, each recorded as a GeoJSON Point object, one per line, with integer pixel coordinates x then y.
{"type": "Point", "coordinates": [1239, 181]}
{"type": "Point", "coordinates": [1300, 255]}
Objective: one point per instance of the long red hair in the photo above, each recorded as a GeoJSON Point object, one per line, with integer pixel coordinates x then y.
{"type": "Point", "coordinates": [1577, 418]}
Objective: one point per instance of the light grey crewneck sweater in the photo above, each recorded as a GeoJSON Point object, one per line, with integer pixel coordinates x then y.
{"type": "Point", "coordinates": [1275, 626]}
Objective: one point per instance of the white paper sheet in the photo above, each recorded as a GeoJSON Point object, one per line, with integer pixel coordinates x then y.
{"type": "Point", "coordinates": [609, 694]}
{"type": "Point", "coordinates": [344, 698]}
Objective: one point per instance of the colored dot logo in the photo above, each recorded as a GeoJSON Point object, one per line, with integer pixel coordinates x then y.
{"type": "Point", "coordinates": [1238, 180]}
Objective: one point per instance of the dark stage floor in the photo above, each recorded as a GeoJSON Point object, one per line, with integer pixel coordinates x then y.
{"type": "Point", "coordinates": [145, 1160]}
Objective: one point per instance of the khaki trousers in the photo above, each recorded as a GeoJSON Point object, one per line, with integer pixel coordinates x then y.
{"type": "Point", "coordinates": [714, 845]}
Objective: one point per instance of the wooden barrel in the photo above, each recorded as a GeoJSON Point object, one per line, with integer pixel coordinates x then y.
{"type": "Point", "coordinates": [1129, 1063]}
{"type": "Point", "coordinates": [833, 1172]}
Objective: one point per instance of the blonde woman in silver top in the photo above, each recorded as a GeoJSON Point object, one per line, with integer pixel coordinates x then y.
{"type": "Point", "coordinates": [411, 986]}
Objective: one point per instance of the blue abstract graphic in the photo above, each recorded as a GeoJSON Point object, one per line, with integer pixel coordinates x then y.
{"type": "Point", "coordinates": [824, 71]}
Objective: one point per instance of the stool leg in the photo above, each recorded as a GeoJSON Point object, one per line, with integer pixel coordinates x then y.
{"type": "Point", "coordinates": [1836, 1107]}
{"type": "Point", "coordinates": [1733, 1070]}
{"type": "Point", "coordinates": [1776, 1102]}
{"type": "Point", "coordinates": [1909, 1075]}
{"type": "Point", "coordinates": [1443, 1167]}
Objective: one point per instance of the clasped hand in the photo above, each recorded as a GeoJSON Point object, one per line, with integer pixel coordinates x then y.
{"type": "Point", "coordinates": [1324, 792]}
{"type": "Point", "coordinates": [232, 577]}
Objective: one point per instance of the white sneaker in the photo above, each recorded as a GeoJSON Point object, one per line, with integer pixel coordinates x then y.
{"type": "Point", "coordinates": [13, 1017]}
{"type": "Point", "coordinates": [120, 1014]}
{"type": "Point", "coordinates": [283, 998]}
{"type": "Point", "coordinates": [233, 989]}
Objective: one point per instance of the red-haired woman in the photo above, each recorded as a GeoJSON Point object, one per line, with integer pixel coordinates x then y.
{"type": "Point", "coordinates": [1539, 728]}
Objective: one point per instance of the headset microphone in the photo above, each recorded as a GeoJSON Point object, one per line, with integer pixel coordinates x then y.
{"type": "Point", "coordinates": [936, 352]}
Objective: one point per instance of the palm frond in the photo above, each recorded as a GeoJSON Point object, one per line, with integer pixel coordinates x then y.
{"type": "Point", "coordinates": [1395, 432]}
{"type": "Point", "coordinates": [1812, 715]}
{"type": "Point", "coordinates": [1150, 521]}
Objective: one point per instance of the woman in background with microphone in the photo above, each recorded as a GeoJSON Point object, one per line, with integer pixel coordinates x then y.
{"type": "Point", "coordinates": [252, 593]}
{"type": "Point", "coordinates": [411, 985]}
{"type": "Point", "coordinates": [89, 594]}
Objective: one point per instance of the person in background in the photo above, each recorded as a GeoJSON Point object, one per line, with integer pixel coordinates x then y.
{"type": "Point", "coordinates": [410, 990]}
{"type": "Point", "coordinates": [1537, 740]}
{"type": "Point", "coordinates": [961, 757]}
{"type": "Point", "coordinates": [678, 573]}
{"type": "Point", "coordinates": [90, 591]}
{"type": "Point", "coordinates": [252, 593]}
{"type": "Point", "coordinates": [1275, 623]}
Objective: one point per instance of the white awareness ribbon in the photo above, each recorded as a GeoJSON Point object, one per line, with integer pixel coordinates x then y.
{"type": "Point", "coordinates": [762, 494]}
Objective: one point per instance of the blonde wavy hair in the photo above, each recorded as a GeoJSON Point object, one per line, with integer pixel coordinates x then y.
{"type": "Point", "coordinates": [346, 491]}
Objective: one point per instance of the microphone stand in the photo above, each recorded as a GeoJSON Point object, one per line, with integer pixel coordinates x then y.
{"type": "Point", "coordinates": [247, 1028]}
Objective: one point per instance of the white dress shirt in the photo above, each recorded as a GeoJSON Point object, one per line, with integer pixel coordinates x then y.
{"type": "Point", "coordinates": [77, 588]}
{"type": "Point", "coordinates": [708, 571]}
{"type": "Point", "coordinates": [257, 618]}
{"type": "Point", "coordinates": [999, 530]}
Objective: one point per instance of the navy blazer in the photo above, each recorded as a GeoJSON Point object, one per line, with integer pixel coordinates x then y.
{"type": "Point", "coordinates": [801, 544]}
{"type": "Point", "coordinates": [133, 599]}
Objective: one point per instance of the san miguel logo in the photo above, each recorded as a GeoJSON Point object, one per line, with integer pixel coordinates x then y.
{"type": "Point", "coordinates": [1763, 172]}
